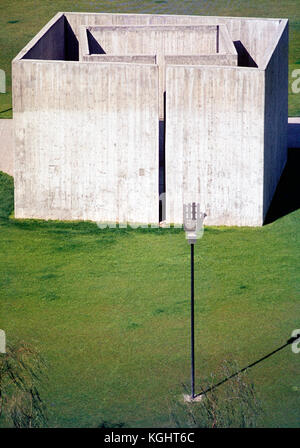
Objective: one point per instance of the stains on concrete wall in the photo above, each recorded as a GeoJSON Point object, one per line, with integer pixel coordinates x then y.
{"type": "Point", "coordinates": [91, 134]}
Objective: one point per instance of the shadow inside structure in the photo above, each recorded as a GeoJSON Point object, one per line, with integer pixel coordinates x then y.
{"type": "Point", "coordinates": [94, 46]}
{"type": "Point", "coordinates": [71, 43]}
{"type": "Point", "coordinates": [244, 57]}
{"type": "Point", "coordinates": [162, 165]}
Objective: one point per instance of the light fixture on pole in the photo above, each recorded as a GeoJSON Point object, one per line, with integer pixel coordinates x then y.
{"type": "Point", "coordinates": [193, 225]}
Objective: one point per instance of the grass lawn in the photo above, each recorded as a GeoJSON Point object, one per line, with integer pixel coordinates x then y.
{"type": "Point", "coordinates": [20, 20]}
{"type": "Point", "coordinates": [109, 310]}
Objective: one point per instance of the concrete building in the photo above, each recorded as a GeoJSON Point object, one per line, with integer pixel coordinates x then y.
{"type": "Point", "coordinates": [111, 110]}
{"type": "Point", "coordinates": [6, 146]}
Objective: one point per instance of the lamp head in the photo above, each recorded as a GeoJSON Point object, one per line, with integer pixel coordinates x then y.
{"type": "Point", "coordinates": [193, 222]}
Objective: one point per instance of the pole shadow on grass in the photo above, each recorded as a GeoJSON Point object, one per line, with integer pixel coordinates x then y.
{"type": "Point", "coordinates": [6, 110]}
{"type": "Point", "coordinates": [209, 389]}
{"type": "Point", "coordinates": [286, 198]}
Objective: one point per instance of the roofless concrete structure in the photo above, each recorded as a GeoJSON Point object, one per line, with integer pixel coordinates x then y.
{"type": "Point", "coordinates": [111, 110]}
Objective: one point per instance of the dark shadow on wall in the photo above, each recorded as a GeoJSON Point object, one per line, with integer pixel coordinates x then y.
{"type": "Point", "coordinates": [71, 43]}
{"type": "Point", "coordinates": [286, 198]}
{"type": "Point", "coordinates": [162, 168]}
{"type": "Point", "coordinates": [94, 46]}
{"type": "Point", "coordinates": [51, 45]}
{"type": "Point", "coordinates": [162, 165]}
{"type": "Point", "coordinates": [244, 57]}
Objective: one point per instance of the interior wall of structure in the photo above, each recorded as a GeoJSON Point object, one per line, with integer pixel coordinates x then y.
{"type": "Point", "coordinates": [132, 59]}
{"type": "Point", "coordinates": [276, 112]}
{"type": "Point", "coordinates": [78, 154]}
{"type": "Point", "coordinates": [51, 44]}
{"type": "Point", "coordinates": [214, 59]}
{"type": "Point", "coordinates": [252, 36]}
{"type": "Point", "coordinates": [156, 40]}
{"type": "Point", "coordinates": [215, 155]}
{"type": "Point", "coordinates": [225, 43]}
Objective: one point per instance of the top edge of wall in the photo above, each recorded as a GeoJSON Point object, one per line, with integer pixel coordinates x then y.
{"type": "Point", "coordinates": [134, 64]}
{"type": "Point", "coordinates": [93, 63]}
{"type": "Point", "coordinates": [146, 27]}
{"type": "Point", "coordinates": [169, 15]}
{"type": "Point", "coordinates": [61, 14]}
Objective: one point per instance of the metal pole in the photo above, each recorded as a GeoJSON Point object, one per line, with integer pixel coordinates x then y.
{"type": "Point", "coordinates": [192, 326]}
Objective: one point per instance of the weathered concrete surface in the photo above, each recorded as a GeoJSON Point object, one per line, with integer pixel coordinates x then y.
{"type": "Point", "coordinates": [215, 143]}
{"type": "Point", "coordinates": [6, 146]}
{"type": "Point", "coordinates": [210, 59]}
{"type": "Point", "coordinates": [101, 134]}
{"type": "Point", "coordinates": [224, 42]}
{"type": "Point", "coordinates": [230, 150]}
{"type": "Point", "coordinates": [255, 35]}
{"type": "Point", "coordinates": [86, 141]}
{"type": "Point", "coordinates": [157, 40]}
{"type": "Point", "coordinates": [6, 139]}
{"type": "Point", "coordinates": [294, 132]}
{"type": "Point", "coordinates": [132, 59]}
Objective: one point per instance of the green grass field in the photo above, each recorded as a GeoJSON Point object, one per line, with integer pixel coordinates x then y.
{"type": "Point", "coordinates": [109, 310]}
{"type": "Point", "coordinates": [20, 20]}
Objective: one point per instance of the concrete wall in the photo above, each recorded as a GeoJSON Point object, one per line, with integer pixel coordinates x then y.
{"type": "Point", "coordinates": [214, 143]}
{"type": "Point", "coordinates": [276, 111]}
{"type": "Point", "coordinates": [6, 138]}
{"type": "Point", "coordinates": [255, 35]}
{"type": "Point", "coordinates": [156, 39]}
{"type": "Point", "coordinates": [132, 59]}
{"type": "Point", "coordinates": [86, 141]}
{"type": "Point", "coordinates": [224, 41]}
{"type": "Point", "coordinates": [210, 59]}
{"type": "Point", "coordinates": [160, 40]}
{"type": "Point", "coordinates": [6, 146]}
